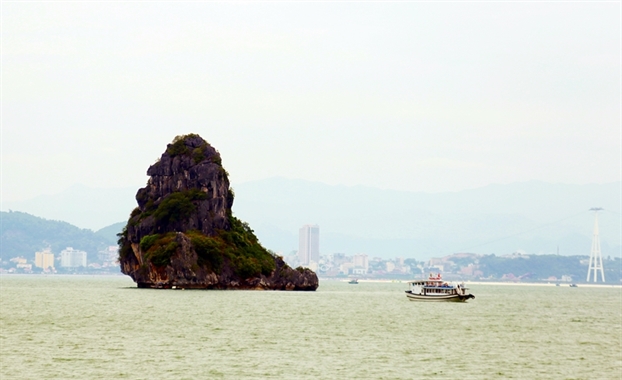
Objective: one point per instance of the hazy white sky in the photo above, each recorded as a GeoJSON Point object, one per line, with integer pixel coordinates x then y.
{"type": "Point", "coordinates": [413, 96]}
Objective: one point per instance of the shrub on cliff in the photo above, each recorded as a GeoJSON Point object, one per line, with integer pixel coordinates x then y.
{"type": "Point", "coordinates": [177, 206]}
{"type": "Point", "coordinates": [239, 247]}
{"type": "Point", "coordinates": [159, 248]}
{"type": "Point", "coordinates": [209, 250]}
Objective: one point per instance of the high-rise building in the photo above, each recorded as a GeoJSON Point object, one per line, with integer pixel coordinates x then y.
{"type": "Point", "coordinates": [361, 261]}
{"type": "Point", "coordinates": [72, 258]}
{"type": "Point", "coordinates": [309, 244]}
{"type": "Point", "coordinates": [44, 259]}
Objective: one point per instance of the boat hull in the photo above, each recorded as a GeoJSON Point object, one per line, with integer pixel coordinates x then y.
{"type": "Point", "coordinates": [439, 298]}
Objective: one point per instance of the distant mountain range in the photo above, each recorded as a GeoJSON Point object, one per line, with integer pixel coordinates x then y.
{"type": "Point", "coordinates": [22, 234]}
{"type": "Point", "coordinates": [83, 206]}
{"type": "Point", "coordinates": [534, 217]}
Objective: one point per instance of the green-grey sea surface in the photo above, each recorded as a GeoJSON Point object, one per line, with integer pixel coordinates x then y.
{"type": "Point", "coordinates": [81, 327]}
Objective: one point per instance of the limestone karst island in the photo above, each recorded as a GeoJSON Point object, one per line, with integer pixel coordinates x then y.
{"type": "Point", "coordinates": [184, 235]}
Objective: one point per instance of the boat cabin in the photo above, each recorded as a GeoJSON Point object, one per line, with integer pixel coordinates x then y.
{"type": "Point", "coordinates": [435, 286]}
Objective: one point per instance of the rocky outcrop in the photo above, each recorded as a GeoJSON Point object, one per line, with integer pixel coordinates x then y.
{"type": "Point", "coordinates": [183, 233]}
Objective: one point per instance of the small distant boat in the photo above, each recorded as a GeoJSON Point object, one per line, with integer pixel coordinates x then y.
{"type": "Point", "coordinates": [353, 281]}
{"type": "Point", "coordinates": [573, 285]}
{"type": "Point", "coordinates": [435, 289]}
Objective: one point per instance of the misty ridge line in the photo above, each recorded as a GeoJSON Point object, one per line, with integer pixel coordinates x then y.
{"type": "Point", "coordinates": [79, 188]}
{"type": "Point", "coordinates": [281, 189]}
{"type": "Point", "coordinates": [427, 224]}
{"type": "Point", "coordinates": [532, 216]}
{"type": "Point", "coordinates": [523, 232]}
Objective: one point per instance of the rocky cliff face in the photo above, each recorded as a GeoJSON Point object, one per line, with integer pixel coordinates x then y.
{"type": "Point", "coordinates": [183, 234]}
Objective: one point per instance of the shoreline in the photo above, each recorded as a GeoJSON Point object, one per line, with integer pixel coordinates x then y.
{"type": "Point", "coordinates": [554, 285]}
{"type": "Point", "coordinates": [388, 281]}
{"type": "Point", "coordinates": [492, 283]}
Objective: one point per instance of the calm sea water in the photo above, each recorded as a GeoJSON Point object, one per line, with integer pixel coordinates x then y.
{"type": "Point", "coordinates": [77, 327]}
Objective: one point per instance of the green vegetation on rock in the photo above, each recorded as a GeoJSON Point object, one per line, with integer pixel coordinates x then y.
{"type": "Point", "coordinates": [209, 250]}
{"type": "Point", "coordinates": [178, 148]}
{"type": "Point", "coordinates": [125, 248]}
{"type": "Point", "coordinates": [251, 258]}
{"type": "Point", "coordinates": [239, 247]}
{"type": "Point", "coordinates": [159, 248]}
{"type": "Point", "coordinates": [177, 206]}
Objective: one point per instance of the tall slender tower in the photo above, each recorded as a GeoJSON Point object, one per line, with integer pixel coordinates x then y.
{"type": "Point", "coordinates": [309, 244]}
{"type": "Point", "coordinates": [596, 258]}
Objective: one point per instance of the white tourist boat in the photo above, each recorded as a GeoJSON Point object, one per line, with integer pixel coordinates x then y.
{"type": "Point", "coordinates": [435, 289]}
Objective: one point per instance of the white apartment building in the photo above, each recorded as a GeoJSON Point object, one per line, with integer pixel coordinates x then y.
{"type": "Point", "coordinates": [361, 261]}
{"type": "Point", "coordinates": [108, 255]}
{"type": "Point", "coordinates": [390, 266]}
{"type": "Point", "coordinates": [72, 258]}
{"type": "Point", "coordinates": [345, 268]}
{"type": "Point", "coordinates": [309, 244]}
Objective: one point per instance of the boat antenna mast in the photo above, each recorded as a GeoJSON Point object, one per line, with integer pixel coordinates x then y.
{"type": "Point", "coordinates": [596, 258]}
